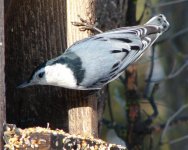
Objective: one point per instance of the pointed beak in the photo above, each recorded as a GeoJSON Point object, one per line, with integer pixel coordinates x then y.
{"type": "Point", "coordinates": [24, 84]}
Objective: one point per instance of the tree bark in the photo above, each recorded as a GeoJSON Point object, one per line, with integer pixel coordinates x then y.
{"type": "Point", "coordinates": [83, 109]}
{"type": "Point", "coordinates": [35, 32]}
{"type": "Point", "coordinates": [2, 73]}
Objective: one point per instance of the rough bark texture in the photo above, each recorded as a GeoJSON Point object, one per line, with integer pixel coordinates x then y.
{"type": "Point", "coordinates": [83, 109]}
{"type": "Point", "coordinates": [35, 32]}
{"type": "Point", "coordinates": [111, 14]}
{"type": "Point", "coordinates": [83, 116]}
{"type": "Point", "coordinates": [86, 10]}
{"type": "Point", "coordinates": [2, 73]}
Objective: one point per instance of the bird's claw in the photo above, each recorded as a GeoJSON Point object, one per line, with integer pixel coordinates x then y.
{"type": "Point", "coordinates": [86, 25]}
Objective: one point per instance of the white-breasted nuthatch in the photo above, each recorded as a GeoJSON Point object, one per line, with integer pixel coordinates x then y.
{"type": "Point", "coordinates": [95, 61]}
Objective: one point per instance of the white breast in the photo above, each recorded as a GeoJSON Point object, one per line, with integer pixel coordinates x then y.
{"type": "Point", "coordinates": [60, 75]}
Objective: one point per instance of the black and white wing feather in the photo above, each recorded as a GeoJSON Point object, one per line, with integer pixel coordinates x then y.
{"type": "Point", "coordinates": [104, 56]}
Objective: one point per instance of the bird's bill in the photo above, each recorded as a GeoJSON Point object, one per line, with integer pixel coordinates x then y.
{"type": "Point", "coordinates": [24, 84]}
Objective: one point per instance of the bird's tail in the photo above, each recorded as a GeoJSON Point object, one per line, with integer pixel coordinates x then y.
{"type": "Point", "coordinates": [159, 21]}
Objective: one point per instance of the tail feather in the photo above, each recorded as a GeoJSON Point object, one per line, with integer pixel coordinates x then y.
{"type": "Point", "coordinates": [153, 29]}
{"type": "Point", "coordinates": [160, 22]}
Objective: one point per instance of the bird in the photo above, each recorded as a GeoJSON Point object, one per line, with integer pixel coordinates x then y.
{"type": "Point", "coordinates": [93, 62]}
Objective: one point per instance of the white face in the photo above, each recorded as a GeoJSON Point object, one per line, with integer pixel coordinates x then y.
{"type": "Point", "coordinates": [60, 75]}
{"type": "Point", "coordinates": [56, 75]}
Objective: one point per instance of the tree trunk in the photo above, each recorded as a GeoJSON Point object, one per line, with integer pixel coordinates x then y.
{"type": "Point", "coordinates": [2, 73]}
{"type": "Point", "coordinates": [83, 109]}
{"type": "Point", "coordinates": [35, 32]}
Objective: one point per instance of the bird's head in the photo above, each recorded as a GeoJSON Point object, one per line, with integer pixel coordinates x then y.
{"type": "Point", "coordinates": [38, 77]}
{"type": "Point", "coordinates": [55, 72]}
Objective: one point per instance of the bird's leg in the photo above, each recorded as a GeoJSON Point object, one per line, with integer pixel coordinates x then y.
{"type": "Point", "coordinates": [85, 25]}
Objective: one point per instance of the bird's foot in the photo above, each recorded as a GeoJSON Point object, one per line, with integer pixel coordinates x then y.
{"type": "Point", "coordinates": [86, 25]}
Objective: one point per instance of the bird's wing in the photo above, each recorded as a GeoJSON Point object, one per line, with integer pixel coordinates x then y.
{"type": "Point", "coordinates": [139, 38]}
{"type": "Point", "coordinates": [107, 54]}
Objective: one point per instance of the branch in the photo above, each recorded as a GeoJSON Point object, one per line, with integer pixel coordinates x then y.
{"type": "Point", "coordinates": [183, 31]}
{"type": "Point", "coordinates": [146, 91]}
{"type": "Point", "coordinates": [176, 50]}
{"type": "Point", "coordinates": [170, 120]}
{"type": "Point", "coordinates": [178, 139]}
{"type": "Point", "coordinates": [150, 72]}
{"type": "Point", "coordinates": [160, 127]}
{"type": "Point", "coordinates": [42, 138]}
{"type": "Point", "coordinates": [172, 75]}
{"type": "Point", "coordinates": [153, 105]}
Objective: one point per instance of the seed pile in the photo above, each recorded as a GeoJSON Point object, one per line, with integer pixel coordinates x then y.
{"type": "Point", "coordinates": [43, 139]}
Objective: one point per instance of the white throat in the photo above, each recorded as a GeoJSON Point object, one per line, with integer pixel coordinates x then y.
{"type": "Point", "coordinates": [60, 75]}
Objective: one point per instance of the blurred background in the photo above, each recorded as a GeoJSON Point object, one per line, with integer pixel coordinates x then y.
{"type": "Point", "coordinates": [162, 81]}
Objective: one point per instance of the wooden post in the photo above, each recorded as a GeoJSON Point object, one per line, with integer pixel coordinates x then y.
{"type": "Point", "coordinates": [35, 34]}
{"type": "Point", "coordinates": [2, 73]}
{"type": "Point", "coordinates": [82, 112]}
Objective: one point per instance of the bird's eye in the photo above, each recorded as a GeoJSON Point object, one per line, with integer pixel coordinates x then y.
{"type": "Point", "coordinates": [40, 75]}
